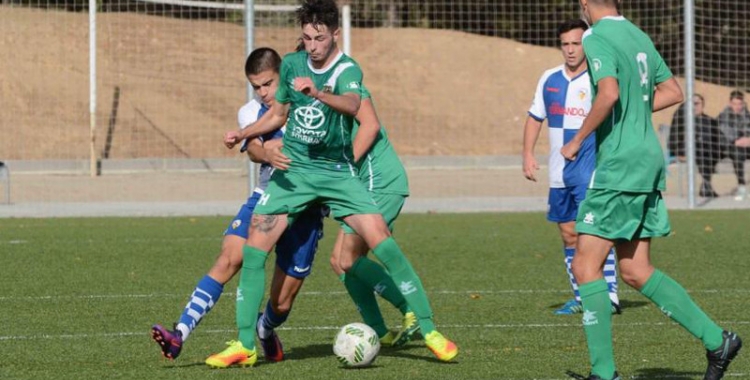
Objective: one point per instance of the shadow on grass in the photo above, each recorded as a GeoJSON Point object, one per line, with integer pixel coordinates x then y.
{"type": "Point", "coordinates": [665, 373]}
{"type": "Point", "coordinates": [325, 350]}
{"type": "Point", "coordinates": [624, 305]}
{"type": "Point", "coordinates": [259, 363]}
{"type": "Point", "coordinates": [651, 373]}
{"type": "Point", "coordinates": [405, 352]}
{"type": "Point", "coordinates": [311, 351]}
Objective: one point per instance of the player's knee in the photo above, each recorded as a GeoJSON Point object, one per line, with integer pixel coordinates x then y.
{"type": "Point", "coordinates": [569, 239]}
{"type": "Point", "coordinates": [633, 277]}
{"type": "Point", "coordinates": [337, 267]}
{"type": "Point", "coordinates": [228, 262]}
{"type": "Point", "coordinates": [232, 256]}
{"type": "Point", "coordinates": [345, 263]}
{"type": "Point", "coordinates": [584, 272]}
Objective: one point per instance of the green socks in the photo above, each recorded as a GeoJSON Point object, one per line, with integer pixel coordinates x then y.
{"type": "Point", "coordinates": [597, 324]}
{"type": "Point", "coordinates": [250, 293]}
{"type": "Point", "coordinates": [666, 293]}
{"type": "Point", "coordinates": [674, 301]}
{"type": "Point", "coordinates": [367, 305]}
{"type": "Point", "coordinates": [409, 284]}
{"type": "Point", "coordinates": [375, 276]}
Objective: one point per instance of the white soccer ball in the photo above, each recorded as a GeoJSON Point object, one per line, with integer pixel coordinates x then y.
{"type": "Point", "coordinates": [356, 345]}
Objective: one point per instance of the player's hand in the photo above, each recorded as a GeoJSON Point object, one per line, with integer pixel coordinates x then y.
{"type": "Point", "coordinates": [274, 156]}
{"type": "Point", "coordinates": [306, 86]}
{"type": "Point", "coordinates": [231, 139]}
{"type": "Point", "coordinates": [570, 150]}
{"type": "Point", "coordinates": [529, 167]}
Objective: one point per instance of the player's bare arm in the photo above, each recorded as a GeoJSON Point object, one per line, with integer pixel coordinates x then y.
{"type": "Point", "coordinates": [667, 94]}
{"type": "Point", "coordinates": [347, 104]}
{"type": "Point", "coordinates": [530, 135]}
{"type": "Point", "coordinates": [272, 120]}
{"type": "Point", "coordinates": [256, 152]}
{"type": "Point", "coordinates": [274, 156]}
{"type": "Point", "coordinates": [608, 94]}
{"type": "Point", "coordinates": [369, 127]}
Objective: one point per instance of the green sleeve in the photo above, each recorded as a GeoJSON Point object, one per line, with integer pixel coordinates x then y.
{"type": "Point", "coordinates": [350, 80]}
{"type": "Point", "coordinates": [285, 82]}
{"type": "Point", "coordinates": [365, 93]}
{"type": "Point", "coordinates": [662, 70]}
{"type": "Point", "coordinates": [601, 58]}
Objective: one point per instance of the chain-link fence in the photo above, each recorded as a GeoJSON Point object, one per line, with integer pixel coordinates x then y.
{"type": "Point", "coordinates": [452, 81]}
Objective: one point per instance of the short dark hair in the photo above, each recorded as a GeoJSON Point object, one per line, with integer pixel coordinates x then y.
{"type": "Point", "coordinates": [737, 94]}
{"type": "Point", "coordinates": [569, 25]}
{"type": "Point", "coordinates": [300, 45]}
{"type": "Point", "coordinates": [319, 12]}
{"type": "Point", "coordinates": [262, 59]}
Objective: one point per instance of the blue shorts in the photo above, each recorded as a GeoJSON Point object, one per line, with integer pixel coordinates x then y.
{"type": "Point", "coordinates": [563, 202]}
{"type": "Point", "coordinates": [295, 250]}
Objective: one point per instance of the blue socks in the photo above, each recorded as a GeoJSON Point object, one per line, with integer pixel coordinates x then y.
{"type": "Point", "coordinates": [569, 252]}
{"type": "Point", "coordinates": [204, 297]}
{"type": "Point", "coordinates": [269, 321]}
{"type": "Point", "coordinates": [610, 275]}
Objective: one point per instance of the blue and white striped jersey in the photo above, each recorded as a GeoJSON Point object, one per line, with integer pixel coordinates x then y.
{"type": "Point", "coordinates": [565, 102]}
{"type": "Point", "coordinates": [248, 114]}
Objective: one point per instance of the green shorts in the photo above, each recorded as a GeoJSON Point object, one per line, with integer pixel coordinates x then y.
{"type": "Point", "coordinates": [618, 215]}
{"type": "Point", "coordinates": [290, 193]}
{"type": "Point", "coordinates": [390, 206]}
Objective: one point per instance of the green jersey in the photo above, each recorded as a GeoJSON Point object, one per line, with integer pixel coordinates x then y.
{"type": "Point", "coordinates": [381, 170]}
{"type": "Point", "coordinates": [317, 137]}
{"type": "Point", "coordinates": [629, 155]}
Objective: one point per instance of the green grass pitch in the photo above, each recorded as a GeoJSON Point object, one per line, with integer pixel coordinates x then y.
{"type": "Point", "coordinates": [79, 296]}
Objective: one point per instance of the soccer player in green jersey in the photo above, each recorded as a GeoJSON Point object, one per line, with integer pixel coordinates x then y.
{"type": "Point", "coordinates": [383, 175]}
{"type": "Point", "coordinates": [318, 96]}
{"type": "Point", "coordinates": [623, 206]}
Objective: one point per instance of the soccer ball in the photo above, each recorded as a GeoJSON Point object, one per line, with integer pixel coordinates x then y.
{"type": "Point", "coordinates": [356, 345]}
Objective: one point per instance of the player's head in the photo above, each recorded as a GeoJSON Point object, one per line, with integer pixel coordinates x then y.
{"type": "Point", "coordinates": [571, 42]}
{"type": "Point", "coordinates": [737, 101]}
{"type": "Point", "coordinates": [319, 20]}
{"type": "Point", "coordinates": [262, 70]}
{"type": "Point", "coordinates": [591, 9]}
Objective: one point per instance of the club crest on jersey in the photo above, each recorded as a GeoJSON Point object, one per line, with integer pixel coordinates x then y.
{"type": "Point", "coordinates": [582, 93]}
{"type": "Point", "coordinates": [597, 64]}
{"type": "Point", "coordinates": [327, 89]}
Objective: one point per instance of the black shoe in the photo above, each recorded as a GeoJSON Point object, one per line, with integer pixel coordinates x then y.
{"type": "Point", "coordinates": [616, 309]}
{"type": "Point", "coordinates": [273, 351]}
{"type": "Point", "coordinates": [590, 377]}
{"type": "Point", "coordinates": [719, 359]}
{"type": "Point", "coordinates": [707, 191]}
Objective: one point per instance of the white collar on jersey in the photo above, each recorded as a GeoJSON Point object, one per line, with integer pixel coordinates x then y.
{"type": "Point", "coordinates": [614, 18]}
{"type": "Point", "coordinates": [325, 69]}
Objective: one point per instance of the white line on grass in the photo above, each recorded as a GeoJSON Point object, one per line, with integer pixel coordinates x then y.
{"type": "Point", "coordinates": [337, 292]}
{"type": "Point", "coordinates": [126, 334]}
